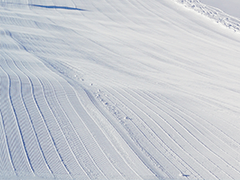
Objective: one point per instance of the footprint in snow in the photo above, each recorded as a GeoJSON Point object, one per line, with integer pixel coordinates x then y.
{"type": "Point", "coordinates": [184, 175]}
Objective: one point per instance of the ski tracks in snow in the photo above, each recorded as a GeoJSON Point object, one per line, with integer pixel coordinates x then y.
{"type": "Point", "coordinates": [58, 137]}
{"type": "Point", "coordinates": [56, 124]}
{"type": "Point", "coordinates": [155, 124]}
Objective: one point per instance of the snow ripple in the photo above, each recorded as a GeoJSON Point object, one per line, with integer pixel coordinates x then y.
{"type": "Point", "coordinates": [124, 89]}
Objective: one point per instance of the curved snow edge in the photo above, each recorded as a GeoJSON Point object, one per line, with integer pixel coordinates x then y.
{"type": "Point", "coordinates": [213, 13]}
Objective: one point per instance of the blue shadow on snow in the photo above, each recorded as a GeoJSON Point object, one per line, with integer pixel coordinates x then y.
{"type": "Point", "coordinates": [57, 7]}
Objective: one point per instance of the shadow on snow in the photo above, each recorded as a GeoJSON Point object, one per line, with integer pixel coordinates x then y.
{"type": "Point", "coordinates": [57, 7]}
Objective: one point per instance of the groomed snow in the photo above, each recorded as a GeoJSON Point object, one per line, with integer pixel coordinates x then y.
{"type": "Point", "coordinates": [123, 89]}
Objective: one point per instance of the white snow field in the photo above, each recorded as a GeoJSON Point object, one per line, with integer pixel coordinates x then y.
{"type": "Point", "coordinates": [119, 89]}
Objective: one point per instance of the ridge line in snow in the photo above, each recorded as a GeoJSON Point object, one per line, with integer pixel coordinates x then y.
{"type": "Point", "coordinates": [213, 13]}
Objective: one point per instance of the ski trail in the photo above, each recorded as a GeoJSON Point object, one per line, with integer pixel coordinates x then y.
{"type": "Point", "coordinates": [35, 154]}
{"type": "Point", "coordinates": [22, 164]}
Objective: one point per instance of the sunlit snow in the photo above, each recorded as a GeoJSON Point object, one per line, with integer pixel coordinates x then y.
{"type": "Point", "coordinates": [119, 89]}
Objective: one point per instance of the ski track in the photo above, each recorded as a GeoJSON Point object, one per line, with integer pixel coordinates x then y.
{"type": "Point", "coordinates": [206, 127]}
{"type": "Point", "coordinates": [156, 132]}
{"type": "Point", "coordinates": [171, 114]}
{"type": "Point", "coordinates": [124, 89]}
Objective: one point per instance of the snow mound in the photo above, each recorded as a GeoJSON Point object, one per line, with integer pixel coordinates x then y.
{"type": "Point", "coordinates": [213, 13]}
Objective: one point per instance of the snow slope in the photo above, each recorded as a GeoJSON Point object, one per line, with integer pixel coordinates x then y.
{"type": "Point", "coordinates": [123, 89]}
{"type": "Point", "coordinates": [228, 14]}
{"type": "Point", "coordinates": [229, 6]}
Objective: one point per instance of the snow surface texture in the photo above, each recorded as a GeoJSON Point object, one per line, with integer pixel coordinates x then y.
{"type": "Point", "coordinates": [123, 89]}
{"type": "Point", "coordinates": [228, 6]}
{"type": "Point", "coordinates": [217, 14]}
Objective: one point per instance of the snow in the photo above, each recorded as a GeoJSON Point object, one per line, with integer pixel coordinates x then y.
{"type": "Point", "coordinates": [124, 89]}
{"type": "Point", "coordinates": [231, 7]}
{"type": "Point", "coordinates": [218, 15]}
